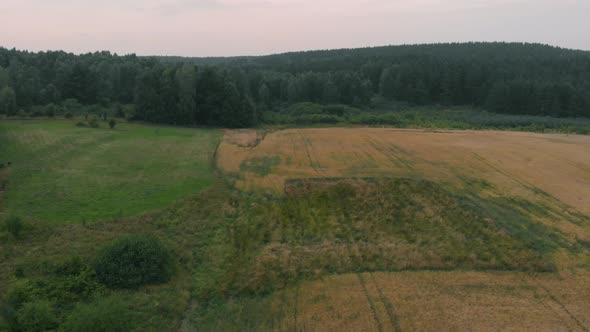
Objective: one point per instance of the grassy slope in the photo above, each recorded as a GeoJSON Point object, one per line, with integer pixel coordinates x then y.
{"type": "Point", "coordinates": [62, 173]}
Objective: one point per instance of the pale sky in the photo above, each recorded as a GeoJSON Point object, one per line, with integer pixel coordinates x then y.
{"type": "Point", "coordinates": [253, 27]}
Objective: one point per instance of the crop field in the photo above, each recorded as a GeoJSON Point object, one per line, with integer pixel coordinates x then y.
{"type": "Point", "coordinates": [551, 170]}
{"type": "Point", "coordinates": [512, 161]}
{"type": "Point", "coordinates": [439, 301]}
{"type": "Point", "coordinates": [469, 201]}
{"type": "Point", "coordinates": [62, 174]}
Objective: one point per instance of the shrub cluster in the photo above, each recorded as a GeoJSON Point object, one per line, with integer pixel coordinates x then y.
{"type": "Point", "coordinates": [48, 301]}
{"type": "Point", "coordinates": [105, 314]}
{"type": "Point", "coordinates": [133, 261]}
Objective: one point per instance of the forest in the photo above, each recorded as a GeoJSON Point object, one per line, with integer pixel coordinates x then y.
{"type": "Point", "coordinates": [507, 78]}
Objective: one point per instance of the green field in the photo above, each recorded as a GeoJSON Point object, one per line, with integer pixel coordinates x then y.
{"type": "Point", "coordinates": [61, 173]}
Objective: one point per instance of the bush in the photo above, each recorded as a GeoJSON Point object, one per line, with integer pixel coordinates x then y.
{"type": "Point", "coordinates": [317, 118]}
{"type": "Point", "coordinates": [106, 314]}
{"type": "Point", "coordinates": [61, 290]}
{"type": "Point", "coordinates": [304, 108]}
{"type": "Point", "coordinates": [51, 110]}
{"type": "Point", "coordinates": [36, 316]}
{"type": "Point", "coordinates": [133, 261]}
{"type": "Point", "coordinates": [119, 112]}
{"type": "Point", "coordinates": [129, 111]}
{"type": "Point", "coordinates": [81, 124]}
{"type": "Point", "coordinates": [69, 115]}
{"type": "Point", "coordinates": [112, 123]}
{"type": "Point", "coordinates": [37, 111]}
{"type": "Point", "coordinates": [8, 318]}
{"type": "Point", "coordinates": [14, 226]}
{"type": "Point", "coordinates": [93, 122]}
{"type": "Point", "coordinates": [72, 105]}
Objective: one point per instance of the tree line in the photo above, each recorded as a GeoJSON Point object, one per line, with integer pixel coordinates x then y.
{"type": "Point", "coordinates": [511, 78]}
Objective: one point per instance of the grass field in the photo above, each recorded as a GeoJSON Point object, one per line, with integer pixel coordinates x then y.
{"type": "Point", "coordinates": [311, 229]}
{"type": "Point", "coordinates": [61, 173]}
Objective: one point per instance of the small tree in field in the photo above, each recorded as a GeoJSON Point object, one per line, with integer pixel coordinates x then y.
{"type": "Point", "coordinates": [112, 123]}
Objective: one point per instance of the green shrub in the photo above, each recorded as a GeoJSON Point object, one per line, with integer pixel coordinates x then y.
{"type": "Point", "coordinates": [50, 110]}
{"type": "Point", "coordinates": [317, 119]}
{"type": "Point", "coordinates": [129, 111]}
{"type": "Point", "coordinates": [8, 320]}
{"type": "Point", "coordinates": [36, 316]}
{"type": "Point", "coordinates": [304, 108]}
{"type": "Point", "coordinates": [14, 226]}
{"type": "Point", "coordinates": [69, 115]}
{"type": "Point", "coordinates": [340, 110]}
{"type": "Point", "coordinates": [62, 290]}
{"type": "Point", "coordinates": [72, 105]}
{"type": "Point", "coordinates": [133, 261]}
{"type": "Point", "coordinates": [93, 122]}
{"type": "Point", "coordinates": [119, 112]}
{"type": "Point", "coordinates": [69, 267]}
{"type": "Point", "coordinates": [106, 314]}
{"type": "Point", "coordinates": [81, 124]}
{"type": "Point", "coordinates": [112, 123]}
{"type": "Point", "coordinates": [37, 111]}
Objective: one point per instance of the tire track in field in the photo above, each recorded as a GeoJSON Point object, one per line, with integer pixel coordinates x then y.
{"type": "Point", "coordinates": [390, 153]}
{"type": "Point", "coordinates": [370, 301]}
{"type": "Point", "coordinates": [314, 164]}
{"type": "Point", "coordinates": [551, 308]}
{"type": "Point", "coordinates": [350, 241]}
{"type": "Point", "coordinates": [298, 227]}
{"type": "Point", "coordinates": [389, 308]}
{"type": "Point", "coordinates": [511, 177]}
{"type": "Point", "coordinates": [571, 211]}
{"type": "Point", "coordinates": [562, 306]}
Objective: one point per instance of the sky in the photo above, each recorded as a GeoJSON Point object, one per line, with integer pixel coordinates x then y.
{"type": "Point", "coordinates": [256, 27]}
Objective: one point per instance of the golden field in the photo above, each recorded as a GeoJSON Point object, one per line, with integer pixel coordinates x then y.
{"type": "Point", "coordinates": [513, 161]}
{"type": "Point", "coordinates": [439, 301]}
{"type": "Point", "coordinates": [552, 170]}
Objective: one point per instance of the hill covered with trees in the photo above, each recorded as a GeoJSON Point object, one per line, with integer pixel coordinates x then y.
{"type": "Point", "coordinates": [509, 78]}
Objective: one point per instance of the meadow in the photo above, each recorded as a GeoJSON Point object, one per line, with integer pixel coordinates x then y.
{"type": "Point", "coordinates": [61, 173]}
{"type": "Point", "coordinates": [303, 229]}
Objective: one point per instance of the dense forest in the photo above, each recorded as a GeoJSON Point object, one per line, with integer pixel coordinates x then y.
{"type": "Point", "coordinates": [510, 78]}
